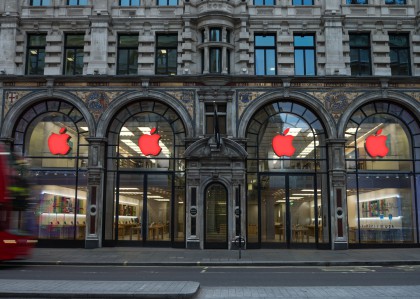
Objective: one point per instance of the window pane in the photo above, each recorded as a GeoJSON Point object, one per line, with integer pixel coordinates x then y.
{"type": "Point", "coordinates": [37, 40]}
{"type": "Point", "coordinates": [122, 62]}
{"type": "Point", "coordinates": [132, 62]}
{"type": "Point", "coordinates": [173, 2]}
{"type": "Point", "coordinates": [215, 35]}
{"type": "Point", "coordinates": [128, 41]}
{"type": "Point", "coordinates": [396, 40]}
{"type": "Point", "coordinates": [270, 62]}
{"type": "Point", "coordinates": [299, 62]}
{"type": "Point", "coordinates": [304, 41]}
{"type": "Point", "coordinates": [172, 61]}
{"type": "Point", "coordinates": [310, 62]}
{"type": "Point", "coordinates": [74, 40]}
{"type": "Point", "coordinates": [124, 2]}
{"type": "Point", "coordinates": [259, 62]}
{"type": "Point", "coordinates": [261, 41]}
{"type": "Point", "coordinates": [215, 60]}
{"type": "Point", "coordinates": [169, 40]}
{"type": "Point", "coordinates": [359, 40]}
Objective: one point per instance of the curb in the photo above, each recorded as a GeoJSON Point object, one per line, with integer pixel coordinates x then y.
{"type": "Point", "coordinates": [218, 263]}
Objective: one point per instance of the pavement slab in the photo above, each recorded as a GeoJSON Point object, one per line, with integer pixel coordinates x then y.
{"type": "Point", "coordinates": [11, 288]}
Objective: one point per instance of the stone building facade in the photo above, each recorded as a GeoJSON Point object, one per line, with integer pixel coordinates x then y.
{"type": "Point", "coordinates": [220, 81]}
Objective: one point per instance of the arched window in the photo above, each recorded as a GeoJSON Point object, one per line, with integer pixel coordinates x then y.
{"type": "Point", "coordinates": [286, 173]}
{"type": "Point", "coordinates": [382, 143]}
{"type": "Point", "coordinates": [50, 135]}
{"type": "Point", "coordinates": [146, 190]}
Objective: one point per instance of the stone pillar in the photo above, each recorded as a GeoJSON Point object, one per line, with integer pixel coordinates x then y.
{"type": "Point", "coordinates": [98, 64]}
{"type": "Point", "coordinates": [206, 60]}
{"type": "Point", "coordinates": [334, 44]}
{"type": "Point", "coordinates": [95, 186]}
{"type": "Point", "coordinates": [337, 177]}
{"type": "Point", "coordinates": [224, 61]}
{"type": "Point", "coordinates": [8, 27]}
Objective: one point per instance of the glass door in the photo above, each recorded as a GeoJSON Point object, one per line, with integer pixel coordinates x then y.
{"type": "Point", "coordinates": [289, 210]}
{"type": "Point", "coordinates": [129, 207]}
{"type": "Point", "coordinates": [216, 217]}
{"type": "Point", "coordinates": [143, 207]}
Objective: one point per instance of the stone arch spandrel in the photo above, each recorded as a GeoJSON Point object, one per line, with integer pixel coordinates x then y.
{"type": "Point", "coordinates": [309, 101]}
{"type": "Point", "coordinates": [118, 103]}
{"type": "Point", "coordinates": [402, 99]}
{"type": "Point", "coordinates": [31, 99]}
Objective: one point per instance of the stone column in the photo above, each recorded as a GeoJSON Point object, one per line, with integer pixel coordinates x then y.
{"type": "Point", "coordinates": [8, 28]}
{"type": "Point", "coordinates": [334, 44]}
{"type": "Point", "coordinates": [98, 46]}
{"type": "Point", "coordinates": [338, 203]}
{"type": "Point", "coordinates": [224, 61]}
{"type": "Point", "coordinates": [95, 186]}
{"type": "Point", "coordinates": [206, 60]}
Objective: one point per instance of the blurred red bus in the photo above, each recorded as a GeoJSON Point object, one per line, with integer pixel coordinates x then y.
{"type": "Point", "coordinates": [15, 240]}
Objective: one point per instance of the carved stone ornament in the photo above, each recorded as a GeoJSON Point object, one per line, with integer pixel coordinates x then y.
{"type": "Point", "coordinates": [206, 148]}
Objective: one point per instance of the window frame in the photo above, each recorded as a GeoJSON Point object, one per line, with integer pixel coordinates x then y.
{"type": "Point", "coordinates": [29, 48]}
{"type": "Point", "coordinates": [130, 3]}
{"type": "Point", "coordinates": [304, 49]}
{"type": "Point", "coordinates": [132, 48]}
{"type": "Point", "coordinates": [398, 49]}
{"type": "Point", "coordinates": [75, 48]}
{"type": "Point", "coordinates": [359, 48]}
{"type": "Point", "coordinates": [264, 2]}
{"type": "Point", "coordinates": [41, 3]}
{"type": "Point", "coordinates": [209, 114]}
{"type": "Point", "coordinates": [166, 72]}
{"type": "Point", "coordinates": [302, 2]}
{"type": "Point", "coordinates": [166, 2]}
{"type": "Point", "coordinates": [78, 2]}
{"type": "Point", "coordinates": [265, 48]}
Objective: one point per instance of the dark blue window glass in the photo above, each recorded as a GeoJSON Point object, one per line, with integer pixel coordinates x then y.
{"type": "Point", "coordinates": [265, 55]}
{"type": "Point", "coordinates": [129, 2]}
{"type": "Point", "coordinates": [398, 2]}
{"type": "Point", "coordinates": [264, 2]}
{"type": "Point", "coordinates": [357, 1]}
{"type": "Point", "coordinates": [360, 63]}
{"type": "Point", "coordinates": [304, 55]}
{"type": "Point", "coordinates": [399, 54]}
{"type": "Point", "coordinates": [303, 2]}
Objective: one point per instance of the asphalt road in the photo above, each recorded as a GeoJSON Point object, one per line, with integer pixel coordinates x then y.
{"type": "Point", "coordinates": [226, 276]}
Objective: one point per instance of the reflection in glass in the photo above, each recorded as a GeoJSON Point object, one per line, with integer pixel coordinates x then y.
{"type": "Point", "coordinates": [216, 214]}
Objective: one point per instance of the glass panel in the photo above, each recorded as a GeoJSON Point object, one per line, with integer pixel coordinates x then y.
{"type": "Point", "coordinates": [215, 60]}
{"type": "Point", "coordinates": [252, 208]}
{"type": "Point", "coordinates": [259, 62]}
{"type": "Point", "coordinates": [302, 201]}
{"type": "Point", "coordinates": [61, 215]}
{"type": "Point", "coordinates": [309, 62]}
{"type": "Point", "coordinates": [159, 197]}
{"type": "Point", "coordinates": [303, 41]}
{"type": "Point", "coordinates": [273, 209]}
{"type": "Point", "coordinates": [179, 221]}
{"type": "Point", "coordinates": [128, 41]}
{"type": "Point", "coordinates": [167, 40]}
{"type": "Point", "coordinates": [215, 34]}
{"type": "Point", "coordinates": [271, 62]}
{"type": "Point", "coordinates": [299, 62]}
{"type": "Point", "coordinates": [130, 207]}
{"type": "Point", "coordinates": [385, 208]}
{"type": "Point", "coordinates": [216, 214]}
{"type": "Point", "coordinates": [264, 41]}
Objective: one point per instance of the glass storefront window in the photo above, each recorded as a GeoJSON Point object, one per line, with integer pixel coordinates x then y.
{"type": "Point", "coordinates": [380, 137]}
{"type": "Point", "coordinates": [51, 136]}
{"type": "Point", "coordinates": [145, 197]}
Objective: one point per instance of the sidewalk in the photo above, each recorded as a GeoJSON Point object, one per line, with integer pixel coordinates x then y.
{"type": "Point", "coordinates": [135, 256]}
{"type": "Point", "coordinates": [141, 256]}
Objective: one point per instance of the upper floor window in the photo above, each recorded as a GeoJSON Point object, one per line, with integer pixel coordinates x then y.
{"type": "Point", "coordinates": [215, 34]}
{"type": "Point", "coordinates": [357, 1]}
{"type": "Point", "coordinates": [129, 2]}
{"type": "Point", "coordinates": [395, 2]}
{"type": "Point", "coordinates": [127, 54]}
{"type": "Point", "coordinates": [40, 2]}
{"type": "Point", "coordinates": [215, 60]}
{"type": "Point", "coordinates": [303, 2]}
{"type": "Point", "coordinates": [215, 117]}
{"type": "Point", "coordinates": [360, 63]}
{"type": "Point", "coordinates": [77, 2]}
{"type": "Point", "coordinates": [166, 54]}
{"type": "Point", "coordinates": [36, 54]}
{"type": "Point", "coordinates": [304, 54]}
{"type": "Point", "coordinates": [265, 55]}
{"type": "Point", "coordinates": [264, 2]}
{"type": "Point", "coordinates": [73, 51]}
{"type": "Point", "coordinates": [167, 2]}
{"type": "Point", "coordinates": [399, 52]}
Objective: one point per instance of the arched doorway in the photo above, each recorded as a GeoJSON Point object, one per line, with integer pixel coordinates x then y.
{"type": "Point", "coordinates": [216, 216]}
{"type": "Point", "coordinates": [52, 136]}
{"type": "Point", "coordinates": [287, 198]}
{"type": "Point", "coordinates": [382, 152]}
{"type": "Point", "coordinates": [145, 191]}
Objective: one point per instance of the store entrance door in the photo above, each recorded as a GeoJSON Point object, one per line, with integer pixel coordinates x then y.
{"type": "Point", "coordinates": [216, 232]}
{"type": "Point", "coordinates": [289, 210]}
{"type": "Point", "coordinates": [143, 207]}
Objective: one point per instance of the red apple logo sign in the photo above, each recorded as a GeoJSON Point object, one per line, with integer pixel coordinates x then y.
{"type": "Point", "coordinates": [375, 145]}
{"type": "Point", "coordinates": [149, 143]}
{"type": "Point", "coordinates": [58, 143]}
{"type": "Point", "coordinates": [282, 144]}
